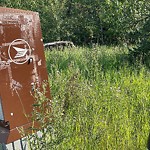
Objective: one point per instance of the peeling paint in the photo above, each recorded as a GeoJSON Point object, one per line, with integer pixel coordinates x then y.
{"type": "Point", "coordinates": [22, 66]}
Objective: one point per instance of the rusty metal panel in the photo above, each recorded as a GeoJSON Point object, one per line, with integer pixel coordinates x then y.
{"type": "Point", "coordinates": [22, 64]}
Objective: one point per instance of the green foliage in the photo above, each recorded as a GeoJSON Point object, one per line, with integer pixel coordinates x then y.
{"type": "Point", "coordinates": [99, 101]}
{"type": "Point", "coordinates": [142, 51]}
{"type": "Point", "coordinates": [86, 22]}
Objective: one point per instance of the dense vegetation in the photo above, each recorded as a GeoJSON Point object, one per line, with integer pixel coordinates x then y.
{"type": "Point", "coordinates": [99, 102]}
{"type": "Point", "coordinates": [82, 21]}
{"type": "Point", "coordinates": [93, 21]}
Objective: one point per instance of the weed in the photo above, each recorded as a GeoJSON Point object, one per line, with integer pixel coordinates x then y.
{"type": "Point", "coordinates": [99, 101]}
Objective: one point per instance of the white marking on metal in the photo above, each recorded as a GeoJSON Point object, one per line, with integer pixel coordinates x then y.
{"type": "Point", "coordinates": [4, 65]}
{"type": "Point", "coordinates": [40, 62]}
{"type": "Point", "coordinates": [21, 52]}
{"type": "Point", "coordinates": [35, 71]}
{"type": "Point", "coordinates": [16, 43]}
{"type": "Point", "coordinates": [10, 77]}
{"type": "Point", "coordinates": [16, 85]}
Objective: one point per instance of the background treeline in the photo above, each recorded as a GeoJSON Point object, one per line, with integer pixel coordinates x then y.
{"type": "Point", "coordinates": [88, 21]}
{"type": "Point", "coordinates": [103, 22]}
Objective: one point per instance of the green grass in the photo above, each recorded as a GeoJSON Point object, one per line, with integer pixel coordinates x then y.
{"type": "Point", "coordinates": [99, 101]}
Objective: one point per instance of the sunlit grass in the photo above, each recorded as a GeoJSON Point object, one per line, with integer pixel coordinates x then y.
{"type": "Point", "coordinates": [99, 102]}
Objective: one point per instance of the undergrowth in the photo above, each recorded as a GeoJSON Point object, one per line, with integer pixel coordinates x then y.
{"type": "Point", "coordinates": [99, 101]}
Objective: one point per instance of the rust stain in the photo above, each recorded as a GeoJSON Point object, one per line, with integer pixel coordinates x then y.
{"type": "Point", "coordinates": [22, 65]}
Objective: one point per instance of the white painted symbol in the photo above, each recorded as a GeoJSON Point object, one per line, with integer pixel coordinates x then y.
{"type": "Point", "coordinates": [19, 53]}
{"type": "Point", "coordinates": [15, 85]}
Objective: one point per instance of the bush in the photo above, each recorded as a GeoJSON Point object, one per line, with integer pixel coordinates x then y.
{"type": "Point", "coordinates": [142, 51]}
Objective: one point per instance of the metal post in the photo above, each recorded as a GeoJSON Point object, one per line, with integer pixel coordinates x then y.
{"type": "Point", "coordinates": [20, 144]}
{"type": "Point", "coordinates": [3, 146]}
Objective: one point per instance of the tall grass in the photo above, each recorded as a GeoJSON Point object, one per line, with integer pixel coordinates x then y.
{"type": "Point", "coordinates": [99, 101]}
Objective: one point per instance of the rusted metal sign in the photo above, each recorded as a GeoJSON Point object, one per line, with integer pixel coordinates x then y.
{"type": "Point", "coordinates": [22, 65]}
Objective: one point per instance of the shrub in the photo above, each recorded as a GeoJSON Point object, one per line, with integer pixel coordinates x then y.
{"type": "Point", "coordinates": [142, 51]}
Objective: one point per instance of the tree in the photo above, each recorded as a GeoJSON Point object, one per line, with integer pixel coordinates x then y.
{"type": "Point", "coordinates": [87, 21]}
{"type": "Point", "coordinates": [141, 52]}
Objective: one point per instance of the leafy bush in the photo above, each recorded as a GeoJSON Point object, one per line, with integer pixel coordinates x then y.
{"type": "Point", "coordinates": [142, 51]}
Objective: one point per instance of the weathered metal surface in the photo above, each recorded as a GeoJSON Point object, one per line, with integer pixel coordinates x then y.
{"type": "Point", "coordinates": [22, 65]}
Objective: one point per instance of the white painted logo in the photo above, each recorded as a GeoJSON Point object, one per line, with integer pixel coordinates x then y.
{"type": "Point", "coordinates": [19, 51]}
